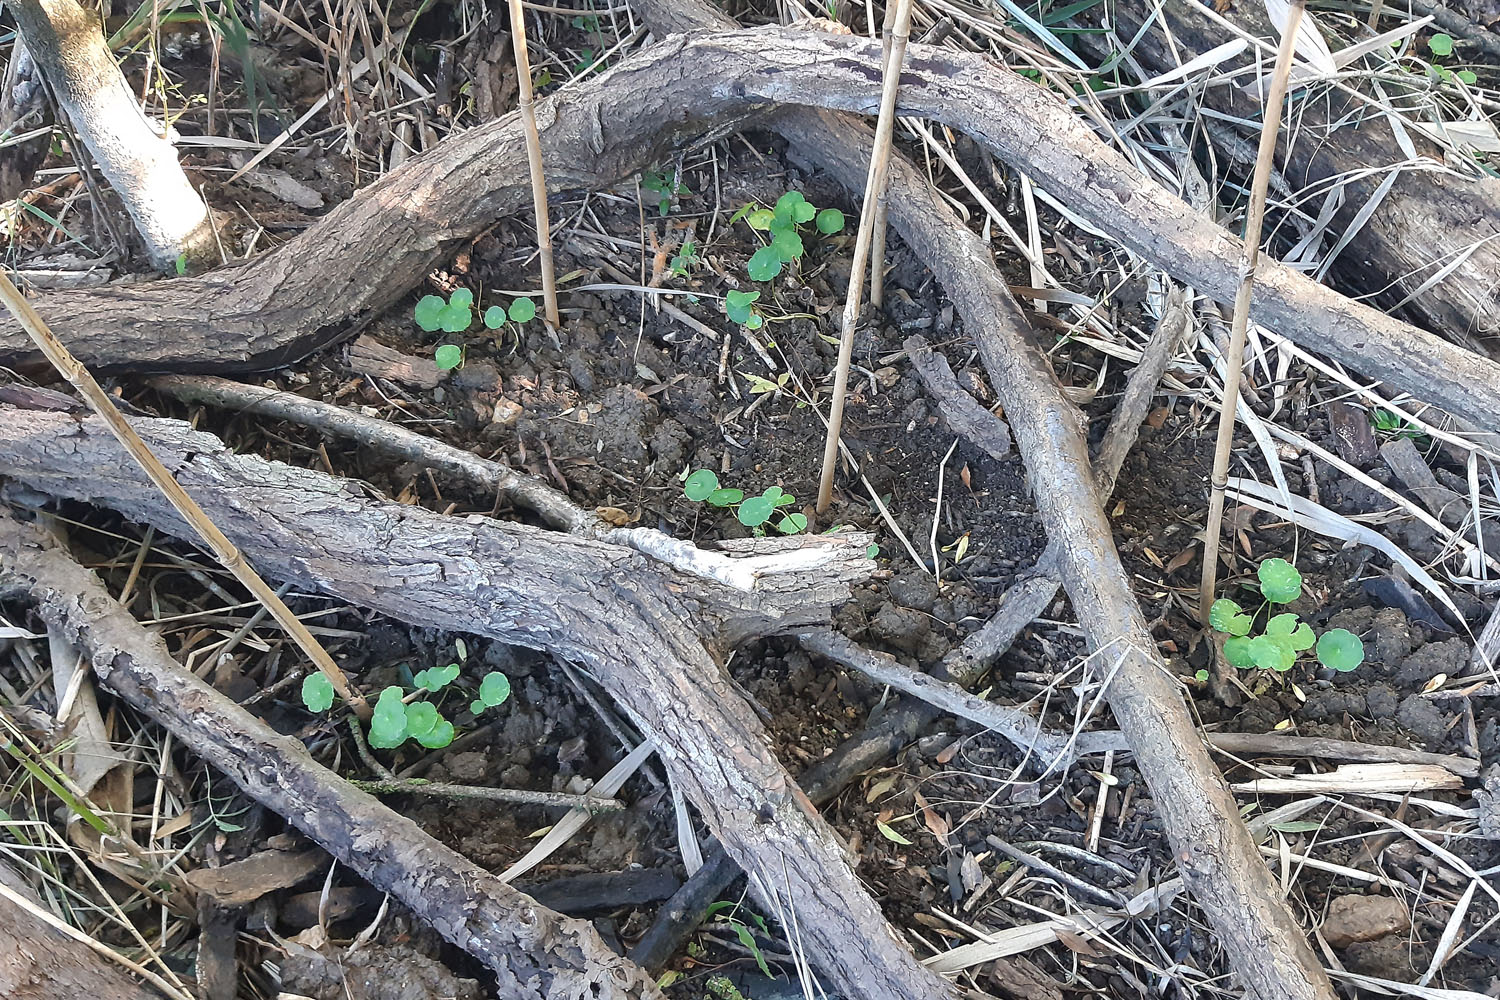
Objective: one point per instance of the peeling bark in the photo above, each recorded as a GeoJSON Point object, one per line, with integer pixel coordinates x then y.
{"type": "Point", "coordinates": [638, 628]}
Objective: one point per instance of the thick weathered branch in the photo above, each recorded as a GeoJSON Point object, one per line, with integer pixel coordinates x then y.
{"type": "Point", "coordinates": [1427, 216]}
{"type": "Point", "coordinates": [67, 41]}
{"type": "Point", "coordinates": [1218, 858]}
{"type": "Point", "coordinates": [534, 952]}
{"type": "Point", "coordinates": [638, 627]}
{"type": "Point", "coordinates": [361, 257]}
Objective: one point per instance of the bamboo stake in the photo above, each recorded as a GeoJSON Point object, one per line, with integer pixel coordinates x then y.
{"type": "Point", "coordinates": [877, 237]}
{"type": "Point", "coordinates": [534, 155]}
{"type": "Point", "coordinates": [223, 549]}
{"type": "Point", "coordinates": [874, 188]}
{"type": "Point", "coordinates": [1234, 364]}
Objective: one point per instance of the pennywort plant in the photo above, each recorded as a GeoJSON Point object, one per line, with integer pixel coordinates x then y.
{"type": "Point", "coordinates": [1284, 636]}
{"type": "Point", "coordinates": [783, 227]}
{"type": "Point", "coordinates": [754, 512]}
{"type": "Point", "coordinates": [456, 314]}
{"type": "Point", "coordinates": [400, 716]}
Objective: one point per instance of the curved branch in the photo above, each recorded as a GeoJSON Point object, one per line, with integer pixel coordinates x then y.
{"type": "Point", "coordinates": [363, 256]}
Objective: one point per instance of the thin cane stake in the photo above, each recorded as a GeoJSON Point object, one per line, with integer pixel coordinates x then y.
{"type": "Point", "coordinates": [1236, 360]}
{"type": "Point", "coordinates": [223, 549]}
{"type": "Point", "coordinates": [534, 156]}
{"type": "Point", "coordinates": [877, 237]}
{"type": "Point", "coordinates": [874, 185]}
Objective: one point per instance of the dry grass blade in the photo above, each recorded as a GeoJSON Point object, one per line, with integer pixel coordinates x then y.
{"type": "Point", "coordinates": [534, 155]}
{"type": "Point", "coordinates": [874, 186]}
{"type": "Point", "coordinates": [224, 550]}
{"type": "Point", "coordinates": [1236, 360]}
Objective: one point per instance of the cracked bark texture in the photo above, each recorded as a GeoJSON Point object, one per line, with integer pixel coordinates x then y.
{"type": "Point", "coordinates": [638, 629]}
{"type": "Point", "coordinates": [40, 962]}
{"type": "Point", "coordinates": [533, 951]}
{"type": "Point", "coordinates": [364, 255]}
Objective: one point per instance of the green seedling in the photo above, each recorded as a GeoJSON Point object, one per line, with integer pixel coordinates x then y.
{"type": "Point", "coordinates": [686, 259]}
{"type": "Point", "coordinates": [782, 226]}
{"type": "Point", "coordinates": [456, 315]}
{"type": "Point", "coordinates": [493, 691]}
{"type": "Point", "coordinates": [1441, 47]}
{"type": "Point", "coordinates": [396, 720]}
{"type": "Point", "coordinates": [665, 186]}
{"type": "Point", "coordinates": [1388, 424]}
{"type": "Point", "coordinates": [716, 912]}
{"type": "Point", "coordinates": [753, 512]}
{"type": "Point", "coordinates": [1284, 635]}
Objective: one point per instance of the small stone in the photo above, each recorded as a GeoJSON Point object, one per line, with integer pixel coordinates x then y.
{"type": "Point", "coordinates": [1363, 918]}
{"type": "Point", "coordinates": [467, 768]}
{"type": "Point", "coordinates": [1424, 720]}
{"type": "Point", "coordinates": [506, 412]}
{"type": "Point", "coordinates": [914, 590]}
{"type": "Point", "coordinates": [1381, 701]}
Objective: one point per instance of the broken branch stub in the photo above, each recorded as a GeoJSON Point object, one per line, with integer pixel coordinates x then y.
{"type": "Point", "coordinates": [639, 628]}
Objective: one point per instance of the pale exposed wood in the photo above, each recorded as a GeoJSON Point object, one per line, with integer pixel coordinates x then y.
{"type": "Point", "coordinates": [67, 42]}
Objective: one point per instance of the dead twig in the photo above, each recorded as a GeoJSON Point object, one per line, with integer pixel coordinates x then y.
{"type": "Point", "coordinates": [1235, 362]}
{"type": "Point", "coordinates": [534, 160]}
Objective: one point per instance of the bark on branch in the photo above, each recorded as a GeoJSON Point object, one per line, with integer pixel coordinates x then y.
{"type": "Point", "coordinates": [363, 256]}
{"type": "Point", "coordinates": [66, 40]}
{"type": "Point", "coordinates": [639, 628]}
{"type": "Point", "coordinates": [534, 952]}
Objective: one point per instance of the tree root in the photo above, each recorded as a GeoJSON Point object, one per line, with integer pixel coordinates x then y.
{"type": "Point", "coordinates": [358, 260]}
{"type": "Point", "coordinates": [534, 952]}
{"type": "Point", "coordinates": [643, 631]}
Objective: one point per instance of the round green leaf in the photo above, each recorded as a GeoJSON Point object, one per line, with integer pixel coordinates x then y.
{"type": "Point", "coordinates": [792, 523]}
{"type": "Point", "coordinates": [737, 305]}
{"type": "Point", "coordinates": [754, 322]}
{"type": "Point", "coordinates": [461, 297]}
{"type": "Point", "coordinates": [1200, 676]}
{"type": "Point", "coordinates": [421, 716]}
{"type": "Point", "coordinates": [760, 218]}
{"type": "Point", "coordinates": [1289, 629]}
{"type": "Point", "coordinates": [437, 678]}
{"type": "Point", "coordinates": [803, 211]}
{"type": "Point", "coordinates": [1467, 76]}
{"type": "Point", "coordinates": [438, 736]}
{"type": "Point", "coordinates": [455, 319]}
{"type": "Point", "coordinates": [448, 356]}
{"type": "Point", "coordinates": [1280, 583]}
{"type": "Point", "coordinates": [764, 264]}
{"type": "Point", "coordinates": [388, 726]}
{"type": "Point", "coordinates": [1441, 45]}
{"type": "Point", "coordinates": [429, 312]}
{"type": "Point", "coordinates": [494, 689]}
{"type": "Point", "coordinates": [522, 310]}
{"type": "Point", "coordinates": [725, 498]}
{"type": "Point", "coordinates": [1341, 650]}
{"type": "Point", "coordinates": [755, 511]}
{"type": "Point", "coordinates": [1237, 652]}
{"type": "Point", "coordinates": [494, 318]}
{"type": "Point", "coordinates": [317, 692]}
{"type": "Point", "coordinates": [788, 245]}
{"type": "Point", "coordinates": [1270, 654]}
{"type": "Point", "coordinates": [700, 485]}
{"type": "Point", "coordinates": [1225, 615]}
{"type": "Point", "coordinates": [772, 493]}
{"type": "Point", "coordinates": [830, 221]}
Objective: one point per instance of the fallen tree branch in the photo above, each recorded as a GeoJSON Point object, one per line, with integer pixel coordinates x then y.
{"type": "Point", "coordinates": [359, 259]}
{"type": "Point", "coordinates": [533, 951]}
{"type": "Point", "coordinates": [643, 631]}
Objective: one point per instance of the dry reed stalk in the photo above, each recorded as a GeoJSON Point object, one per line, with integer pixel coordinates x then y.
{"type": "Point", "coordinates": [874, 189]}
{"type": "Point", "coordinates": [223, 549]}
